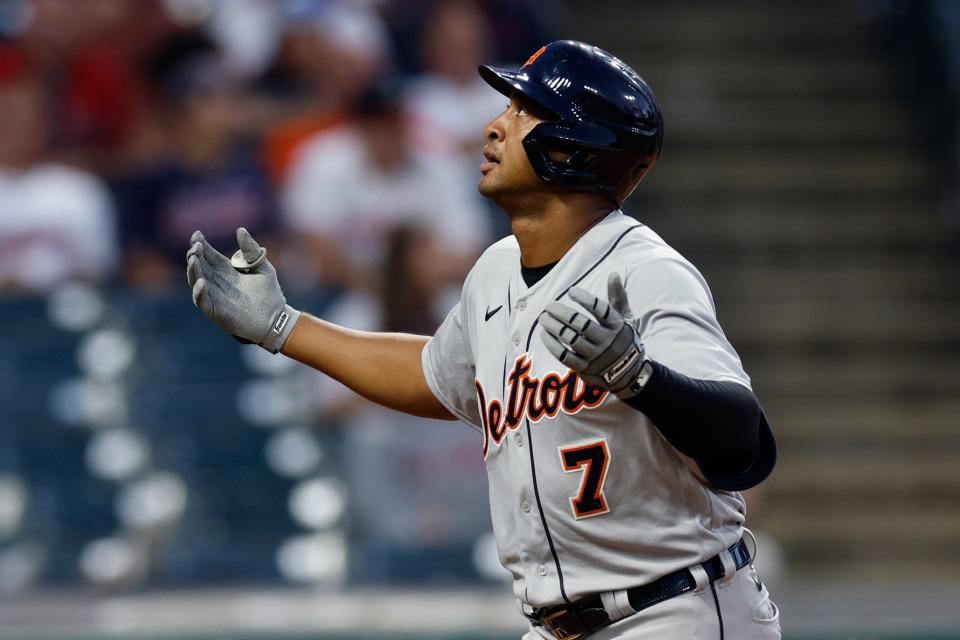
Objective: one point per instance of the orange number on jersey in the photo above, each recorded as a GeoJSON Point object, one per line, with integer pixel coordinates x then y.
{"type": "Point", "coordinates": [592, 458]}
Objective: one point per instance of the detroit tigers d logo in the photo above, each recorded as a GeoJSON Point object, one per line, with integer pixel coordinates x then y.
{"type": "Point", "coordinates": [533, 398]}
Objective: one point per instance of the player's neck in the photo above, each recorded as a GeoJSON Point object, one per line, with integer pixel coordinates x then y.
{"type": "Point", "coordinates": [547, 231]}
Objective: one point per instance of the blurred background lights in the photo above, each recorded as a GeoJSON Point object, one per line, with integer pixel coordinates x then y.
{"type": "Point", "coordinates": [109, 561]}
{"type": "Point", "coordinates": [314, 558]}
{"type": "Point", "coordinates": [264, 363]}
{"type": "Point", "coordinates": [486, 562]}
{"type": "Point", "coordinates": [155, 500]}
{"type": "Point", "coordinates": [116, 454]}
{"type": "Point", "coordinates": [81, 401]}
{"type": "Point", "coordinates": [106, 353]}
{"type": "Point", "coordinates": [293, 453]}
{"type": "Point", "coordinates": [75, 307]}
{"type": "Point", "coordinates": [318, 503]}
{"type": "Point", "coordinates": [267, 403]}
{"type": "Point", "coordinates": [13, 504]}
{"type": "Point", "coordinates": [20, 565]}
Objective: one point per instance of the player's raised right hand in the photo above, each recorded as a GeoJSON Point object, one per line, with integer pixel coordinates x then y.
{"type": "Point", "coordinates": [242, 296]}
{"type": "Point", "coordinates": [599, 342]}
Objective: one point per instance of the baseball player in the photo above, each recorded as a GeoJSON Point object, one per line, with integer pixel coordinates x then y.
{"type": "Point", "coordinates": [618, 425]}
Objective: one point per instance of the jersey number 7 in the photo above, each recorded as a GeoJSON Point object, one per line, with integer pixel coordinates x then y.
{"type": "Point", "coordinates": [592, 458]}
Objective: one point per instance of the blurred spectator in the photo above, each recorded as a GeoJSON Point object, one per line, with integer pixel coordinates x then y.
{"type": "Point", "coordinates": [416, 484]}
{"type": "Point", "coordinates": [519, 27]}
{"type": "Point", "coordinates": [349, 187]}
{"type": "Point", "coordinates": [208, 178]}
{"type": "Point", "coordinates": [246, 31]}
{"type": "Point", "coordinates": [83, 53]}
{"type": "Point", "coordinates": [56, 222]}
{"type": "Point", "coordinates": [329, 55]}
{"type": "Point", "coordinates": [450, 103]}
{"type": "Point", "coordinates": [522, 26]}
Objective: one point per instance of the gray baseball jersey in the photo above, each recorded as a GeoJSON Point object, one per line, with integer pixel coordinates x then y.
{"type": "Point", "coordinates": [586, 495]}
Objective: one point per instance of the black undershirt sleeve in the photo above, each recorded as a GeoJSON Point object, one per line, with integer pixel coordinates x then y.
{"type": "Point", "coordinates": [715, 423]}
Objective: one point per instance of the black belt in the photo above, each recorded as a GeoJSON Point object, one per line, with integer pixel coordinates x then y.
{"type": "Point", "coordinates": [575, 620]}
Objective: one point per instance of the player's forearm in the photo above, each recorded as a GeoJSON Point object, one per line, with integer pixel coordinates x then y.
{"type": "Point", "coordinates": [715, 423]}
{"type": "Point", "coordinates": [382, 367]}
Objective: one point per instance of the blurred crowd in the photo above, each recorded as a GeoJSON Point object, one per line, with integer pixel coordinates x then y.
{"type": "Point", "coordinates": [346, 136]}
{"type": "Point", "coordinates": [335, 131]}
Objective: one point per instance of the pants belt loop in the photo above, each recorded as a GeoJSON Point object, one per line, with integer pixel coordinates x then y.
{"type": "Point", "coordinates": [617, 604]}
{"type": "Point", "coordinates": [700, 577]}
{"type": "Point", "coordinates": [729, 568]}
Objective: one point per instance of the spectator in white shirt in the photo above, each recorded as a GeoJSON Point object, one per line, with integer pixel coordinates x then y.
{"type": "Point", "coordinates": [350, 187]}
{"type": "Point", "coordinates": [449, 102]}
{"type": "Point", "coordinates": [56, 222]}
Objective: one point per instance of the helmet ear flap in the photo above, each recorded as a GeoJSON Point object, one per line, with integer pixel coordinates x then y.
{"type": "Point", "coordinates": [571, 158]}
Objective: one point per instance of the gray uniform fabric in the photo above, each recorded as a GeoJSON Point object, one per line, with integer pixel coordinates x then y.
{"type": "Point", "coordinates": [586, 496]}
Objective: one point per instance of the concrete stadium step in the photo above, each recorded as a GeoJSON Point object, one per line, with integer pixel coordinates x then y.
{"type": "Point", "coordinates": [808, 122]}
{"type": "Point", "coordinates": [748, 77]}
{"type": "Point", "coordinates": [713, 258]}
{"type": "Point", "coordinates": [885, 522]}
{"type": "Point", "coordinates": [712, 28]}
{"type": "Point", "coordinates": [723, 171]}
{"type": "Point", "coordinates": [817, 380]}
{"type": "Point", "coordinates": [819, 283]}
{"type": "Point", "coordinates": [870, 476]}
{"type": "Point", "coordinates": [833, 543]}
{"type": "Point", "coordinates": [797, 322]}
{"type": "Point", "coordinates": [865, 423]}
{"type": "Point", "coordinates": [786, 226]}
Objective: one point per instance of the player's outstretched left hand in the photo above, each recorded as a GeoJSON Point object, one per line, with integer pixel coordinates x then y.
{"type": "Point", "coordinates": [240, 294]}
{"type": "Point", "coordinates": [601, 344]}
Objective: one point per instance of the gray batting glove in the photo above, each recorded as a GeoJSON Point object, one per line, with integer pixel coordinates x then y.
{"type": "Point", "coordinates": [602, 345]}
{"type": "Point", "coordinates": [241, 295]}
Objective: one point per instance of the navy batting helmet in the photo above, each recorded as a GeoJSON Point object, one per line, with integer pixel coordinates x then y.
{"type": "Point", "coordinates": [604, 117]}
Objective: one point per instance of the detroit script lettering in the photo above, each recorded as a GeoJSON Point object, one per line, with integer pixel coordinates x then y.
{"type": "Point", "coordinates": [533, 398]}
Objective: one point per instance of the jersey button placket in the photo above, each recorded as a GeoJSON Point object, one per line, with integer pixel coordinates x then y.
{"type": "Point", "coordinates": [515, 339]}
{"type": "Point", "coordinates": [525, 506]}
{"type": "Point", "coordinates": [521, 305]}
{"type": "Point", "coordinates": [542, 571]}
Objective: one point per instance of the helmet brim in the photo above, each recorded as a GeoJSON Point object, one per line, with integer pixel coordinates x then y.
{"type": "Point", "coordinates": [509, 82]}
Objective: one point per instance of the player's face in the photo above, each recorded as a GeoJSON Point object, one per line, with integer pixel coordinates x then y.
{"type": "Point", "coordinates": [506, 170]}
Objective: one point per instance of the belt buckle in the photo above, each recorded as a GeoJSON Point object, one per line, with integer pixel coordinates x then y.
{"type": "Point", "coordinates": [560, 632]}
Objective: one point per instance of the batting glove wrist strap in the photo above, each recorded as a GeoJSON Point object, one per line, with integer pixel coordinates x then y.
{"type": "Point", "coordinates": [281, 329]}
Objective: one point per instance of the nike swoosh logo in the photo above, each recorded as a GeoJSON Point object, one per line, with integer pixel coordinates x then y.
{"type": "Point", "coordinates": [490, 314]}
